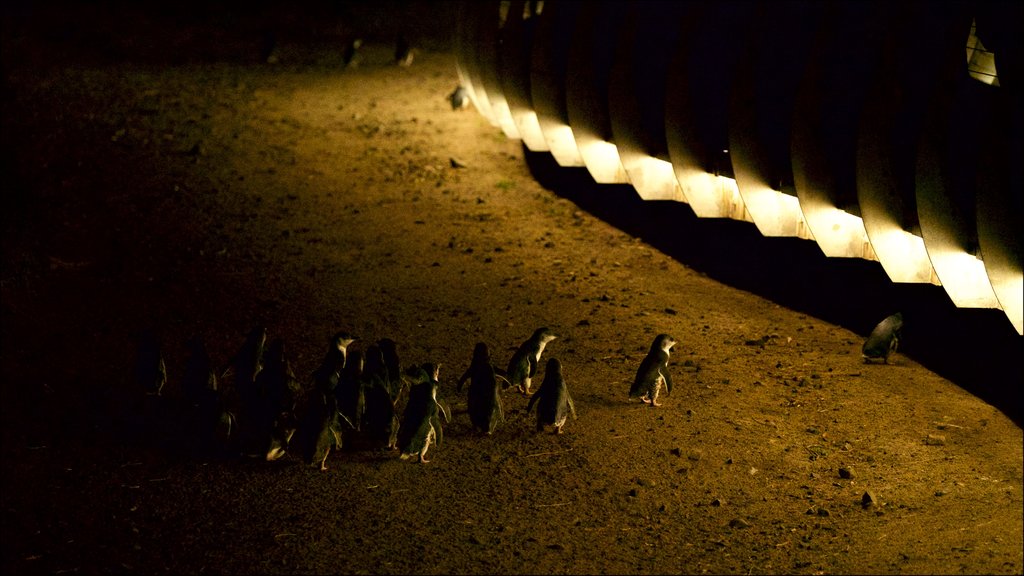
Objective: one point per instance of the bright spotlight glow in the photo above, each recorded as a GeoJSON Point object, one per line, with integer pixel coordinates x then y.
{"type": "Point", "coordinates": [712, 196]}
{"type": "Point", "coordinates": [839, 234]}
{"type": "Point", "coordinates": [654, 179]}
{"type": "Point", "coordinates": [964, 278]}
{"type": "Point", "coordinates": [774, 213]}
{"type": "Point", "coordinates": [903, 255]}
{"type": "Point", "coordinates": [562, 144]}
{"type": "Point", "coordinates": [504, 116]}
{"type": "Point", "coordinates": [602, 161]}
{"type": "Point", "coordinates": [529, 129]}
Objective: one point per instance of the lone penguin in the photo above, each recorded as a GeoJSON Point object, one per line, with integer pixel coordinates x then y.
{"type": "Point", "coordinates": [459, 98]}
{"type": "Point", "coordinates": [484, 396]}
{"type": "Point", "coordinates": [523, 364]}
{"type": "Point", "coordinates": [350, 55]}
{"type": "Point", "coordinates": [403, 52]}
{"type": "Point", "coordinates": [653, 372]}
{"type": "Point", "coordinates": [883, 340]}
{"type": "Point", "coordinates": [554, 404]}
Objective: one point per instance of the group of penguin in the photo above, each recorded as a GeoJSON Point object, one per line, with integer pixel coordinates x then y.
{"type": "Point", "coordinates": [358, 393]}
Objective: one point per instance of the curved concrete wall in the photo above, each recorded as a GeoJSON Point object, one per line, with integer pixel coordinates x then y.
{"type": "Point", "coordinates": [865, 127]}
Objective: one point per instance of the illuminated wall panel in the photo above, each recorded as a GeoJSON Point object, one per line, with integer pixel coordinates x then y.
{"type": "Point", "coordinates": [881, 131]}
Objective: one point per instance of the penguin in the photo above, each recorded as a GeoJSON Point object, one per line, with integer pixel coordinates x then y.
{"type": "Point", "coordinates": [214, 425]}
{"type": "Point", "coordinates": [199, 373]}
{"type": "Point", "coordinates": [653, 372]}
{"type": "Point", "coordinates": [403, 52]}
{"type": "Point", "coordinates": [349, 391]}
{"type": "Point", "coordinates": [149, 371]}
{"type": "Point", "coordinates": [421, 421]}
{"type": "Point", "coordinates": [523, 364]}
{"type": "Point", "coordinates": [459, 98]}
{"type": "Point", "coordinates": [380, 421]}
{"type": "Point", "coordinates": [393, 366]}
{"type": "Point", "coordinates": [245, 365]}
{"type": "Point", "coordinates": [318, 431]}
{"type": "Point", "coordinates": [278, 390]}
{"type": "Point", "coordinates": [883, 340]}
{"type": "Point", "coordinates": [328, 373]}
{"type": "Point", "coordinates": [554, 404]}
{"type": "Point", "coordinates": [484, 396]}
{"type": "Point", "coordinates": [350, 55]}
{"type": "Point", "coordinates": [147, 411]}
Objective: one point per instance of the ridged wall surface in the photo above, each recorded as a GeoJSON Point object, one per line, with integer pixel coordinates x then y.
{"type": "Point", "coordinates": [888, 131]}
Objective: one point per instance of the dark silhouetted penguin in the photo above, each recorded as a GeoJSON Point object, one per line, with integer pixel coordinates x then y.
{"type": "Point", "coordinates": [279, 391]}
{"type": "Point", "coordinates": [653, 372]}
{"type": "Point", "coordinates": [349, 391]}
{"type": "Point", "coordinates": [484, 396]}
{"type": "Point", "coordinates": [459, 98]}
{"type": "Point", "coordinates": [318, 431]}
{"type": "Point", "coordinates": [199, 374]}
{"type": "Point", "coordinates": [214, 425]}
{"type": "Point", "coordinates": [523, 364]}
{"type": "Point", "coordinates": [380, 421]}
{"type": "Point", "coordinates": [883, 340]}
{"type": "Point", "coordinates": [149, 371]}
{"type": "Point", "coordinates": [403, 52]}
{"type": "Point", "coordinates": [350, 55]}
{"type": "Point", "coordinates": [245, 365]}
{"type": "Point", "coordinates": [554, 404]}
{"type": "Point", "coordinates": [328, 373]}
{"type": "Point", "coordinates": [393, 366]}
{"type": "Point", "coordinates": [421, 422]}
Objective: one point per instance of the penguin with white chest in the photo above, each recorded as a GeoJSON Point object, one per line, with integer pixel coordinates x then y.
{"type": "Point", "coordinates": [421, 422]}
{"type": "Point", "coordinates": [523, 364]}
{"type": "Point", "coordinates": [554, 403]}
{"type": "Point", "coordinates": [653, 372]}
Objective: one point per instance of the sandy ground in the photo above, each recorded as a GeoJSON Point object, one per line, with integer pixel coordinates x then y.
{"type": "Point", "coordinates": [211, 192]}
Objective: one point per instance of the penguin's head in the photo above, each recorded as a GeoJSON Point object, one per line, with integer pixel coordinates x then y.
{"type": "Point", "coordinates": [480, 353]}
{"type": "Point", "coordinates": [553, 366]}
{"type": "Point", "coordinates": [342, 339]}
{"type": "Point", "coordinates": [664, 342]}
{"type": "Point", "coordinates": [544, 335]}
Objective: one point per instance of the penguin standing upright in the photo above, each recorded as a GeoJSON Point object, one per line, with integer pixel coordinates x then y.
{"type": "Point", "coordinates": [380, 421]}
{"type": "Point", "coordinates": [403, 52]}
{"type": "Point", "coordinates": [149, 371]}
{"type": "Point", "coordinates": [214, 424]}
{"type": "Point", "coordinates": [328, 373]}
{"type": "Point", "coordinates": [245, 365]}
{"type": "Point", "coordinates": [279, 390]}
{"type": "Point", "coordinates": [199, 374]}
{"type": "Point", "coordinates": [554, 404]}
{"type": "Point", "coordinates": [484, 396]}
{"type": "Point", "coordinates": [147, 409]}
{"type": "Point", "coordinates": [393, 366]}
{"type": "Point", "coordinates": [318, 431]}
{"type": "Point", "coordinates": [523, 364]}
{"type": "Point", "coordinates": [349, 391]}
{"type": "Point", "coordinates": [653, 372]}
{"type": "Point", "coordinates": [350, 55]}
{"type": "Point", "coordinates": [421, 422]}
{"type": "Point", "coordinates": [883, 340]}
